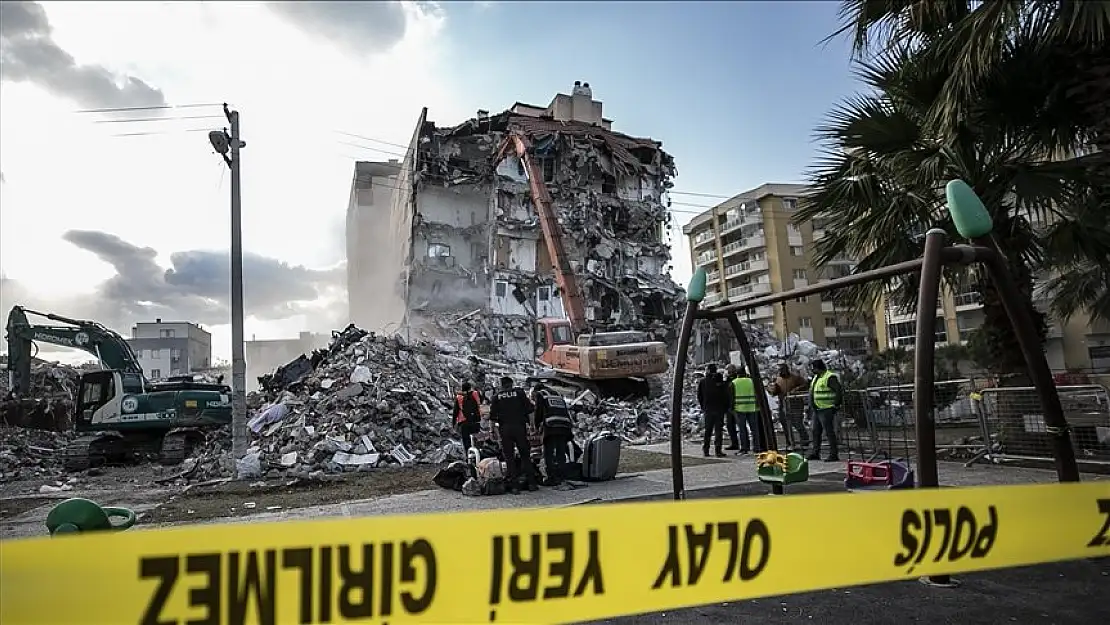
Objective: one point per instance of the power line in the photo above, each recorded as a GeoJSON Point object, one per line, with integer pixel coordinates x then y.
{"type": "Point", "coordinates": [159, 132]}
{"type": "Point", "coordinates": [155, 119]}
{"type": "Point", "coordinates": [162, 107]}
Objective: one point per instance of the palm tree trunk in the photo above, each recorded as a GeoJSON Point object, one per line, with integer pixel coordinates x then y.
{"type": "Point", "coordinates": [1000, 339]}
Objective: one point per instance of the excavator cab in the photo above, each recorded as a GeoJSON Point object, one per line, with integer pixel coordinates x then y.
{"type": "Point", "coordinates": [96, 390]}
{"type": "Point", "coordinates": [551, 333]}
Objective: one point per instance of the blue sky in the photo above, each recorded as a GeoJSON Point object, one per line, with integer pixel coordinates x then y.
{"type": "Point", "coordinates": [733, 89]}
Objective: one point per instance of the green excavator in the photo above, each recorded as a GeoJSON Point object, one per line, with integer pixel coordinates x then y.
{"type": "Point", "coordinates": [121, 416]}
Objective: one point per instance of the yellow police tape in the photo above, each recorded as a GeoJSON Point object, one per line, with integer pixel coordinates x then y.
{"type": "Point", "coordinates": [543, 565]}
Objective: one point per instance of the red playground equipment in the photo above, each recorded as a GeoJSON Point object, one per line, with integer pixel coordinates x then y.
{"type": "Point", "coordinates": [880, 469]}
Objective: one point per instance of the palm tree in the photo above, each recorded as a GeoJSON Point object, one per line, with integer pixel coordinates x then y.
{"type": "Point", "coordinates": [880, 181]}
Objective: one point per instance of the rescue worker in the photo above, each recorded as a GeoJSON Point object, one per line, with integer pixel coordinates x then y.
{"type": "Point", "coordinates": [478, 374]}
{"type": "Point", "coordinates": [747, 411]}
{"type": "Point", "coordinates": [826, 395]}
{"type": "Point", "coordinates": [713, 400]}
{"type": "Point", "coordinates": [554, 419]}
{"type": "Point", "coordinates": [468, 414]}
{"type": "Point", "coordinates": [730, 414]}
{"type": "Point", "coordinates": [511, 410]}
{"type": "Point", "coordinates": [786, 383]}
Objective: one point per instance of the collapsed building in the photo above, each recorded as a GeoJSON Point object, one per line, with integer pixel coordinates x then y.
{"type": "Point", "coordinates": [462, 249]}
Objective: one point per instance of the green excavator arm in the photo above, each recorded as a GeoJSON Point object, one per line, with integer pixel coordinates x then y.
{"type": "Point", "coordinates": [111, 349]}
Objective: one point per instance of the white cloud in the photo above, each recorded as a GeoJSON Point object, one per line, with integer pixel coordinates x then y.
{"type": "Point", "coordinates": [166, 189]}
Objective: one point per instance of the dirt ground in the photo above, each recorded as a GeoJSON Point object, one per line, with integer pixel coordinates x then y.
{"type": "Point", "coordinates": [242, 498]}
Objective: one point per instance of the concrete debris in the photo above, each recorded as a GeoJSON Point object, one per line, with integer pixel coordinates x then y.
{"type": "Point", "coordinates": [364, 401]}
{"type": "Point", "coordinates": [27, 453]}
{"type": "Point", "coordinates": [49, 405]}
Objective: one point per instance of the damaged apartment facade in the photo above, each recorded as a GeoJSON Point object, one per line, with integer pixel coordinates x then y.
{"type": "Point", "coordinates": [469, 258]}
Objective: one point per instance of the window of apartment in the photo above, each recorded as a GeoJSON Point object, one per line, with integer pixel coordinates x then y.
{"type": "Point", "coordinates": [175, 354]}
{"type": "Point", "coordinates": [830, 322]}
{"type": "Point", "coordinates": [155, 354]}
{"type": "Point", "coordinates": [477, 251]}
{"type": "Point", "coordinates": [166, 334]}
{"type": "Point", "coordinates": [757, 256]}
{"type": "Point", "coordinates": [799, 274]}
{"type": "Point", "coordinates": [543, 293]}
{"type": "Point", "coordinates": [797, 250]}
{"type": "Point", "coordinates": [500, 287]}
{"type": "Point", "coordinates": [498, 335]}
{"type": "Point", "coordinates": [792, 231]}
{"type": "Point", "coordinates": [789, 203]}
{"type": "Point", "coordinates": [547, 163]}
{"type": "Point", "coordinates": [155, 373]}
{"type": "Point", "coordinates": [437, 250]}
{"type": "Point", "coordinates": [801, 300]}
{"type": "Point", "coordinates": [609, 186]}
{"type": "Point", "coordinates": [805, 322]}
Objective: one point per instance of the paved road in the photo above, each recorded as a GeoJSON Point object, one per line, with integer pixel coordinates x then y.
{"type": "Point", "coordinates": [1057, 594]}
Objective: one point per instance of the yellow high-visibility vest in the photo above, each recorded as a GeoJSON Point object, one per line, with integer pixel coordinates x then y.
{"type": "Point", "coordinates": [823, 396]}
{"type": "Point", "coordinates": [743, 390]}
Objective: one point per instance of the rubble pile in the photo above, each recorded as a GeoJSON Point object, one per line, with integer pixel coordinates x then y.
{"type": "Point", "coordinates": [364, 401]}
{"type": "Point", "coordinates": [27, 453]}
{"type": "Point", "coordinates": [49, 403]}
{"type": "Point", "coordinates": [648, 421]}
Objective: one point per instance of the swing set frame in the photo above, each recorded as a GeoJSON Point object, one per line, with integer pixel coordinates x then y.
{"type": "Point", "coordinates": [974, 224]}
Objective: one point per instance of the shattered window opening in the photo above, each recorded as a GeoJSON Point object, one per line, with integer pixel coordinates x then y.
{"type": "Point", "coordinates": [500, 288]}
{"type": "Point", "coordinates": [543, 294]}
{"type": "Point", "coordinates": [438, 250]}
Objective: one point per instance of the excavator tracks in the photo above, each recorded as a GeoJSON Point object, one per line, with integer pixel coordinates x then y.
{"type": "Point", "coordinates": [176, 445]}
{"type": "Point", "coordinates": [93, 450]}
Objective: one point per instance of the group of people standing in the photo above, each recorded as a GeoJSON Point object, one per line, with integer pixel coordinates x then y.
{"type": "Point", "coordinates": [518, 414]}
{"type": "Point", "coordinates": [730, 403]}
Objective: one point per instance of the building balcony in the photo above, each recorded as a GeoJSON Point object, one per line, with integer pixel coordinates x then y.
{"type": "Point", "coordinates": [746, 291]}
{"type": "Point", "coordinates": [758, 314]}
{"type": "Point", "coordinates": [711, 298]}
{"type": "Point", "coordinates": [747, 243]}
{"type": "Point", "coordinates": [794, 240]}
{"type": "Point", "coordinates": [712, 277]}
{"type": "Point", "coordinates": [702, 238]}
{"type": "Point", "coordinates": [732, 225]}
{"type": "Point", "coordinates": [706, 258]}
{"type": "Point", "coordinates": [747, 266]}
{"type": "Point", "coordinates": [819, 233]}
{"type": "Point", "coordinates": [967, 301]}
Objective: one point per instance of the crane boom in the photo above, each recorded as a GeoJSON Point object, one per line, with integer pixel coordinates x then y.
{"type": "Point", "coordinates": [565, 279]}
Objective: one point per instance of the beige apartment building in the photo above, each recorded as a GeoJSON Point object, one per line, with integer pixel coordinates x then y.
{"type": "Point", "coordinates": [1075, 345]}
{"type": "Point", "coordinates": [749, 247]}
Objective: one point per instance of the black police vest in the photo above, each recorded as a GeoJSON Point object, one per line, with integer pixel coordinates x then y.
{"type": "Point", "coordinates": [556, 412]}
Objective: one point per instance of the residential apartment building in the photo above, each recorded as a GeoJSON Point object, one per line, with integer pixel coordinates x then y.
{"type": "Point", "coordinates": [749, 246]}
{"type": "Point", "coordinates": [171, 348]}
{"type": "Point", "coordinates": [462, 249]}
{"type": "Point", "coordinates": [1073, 345]}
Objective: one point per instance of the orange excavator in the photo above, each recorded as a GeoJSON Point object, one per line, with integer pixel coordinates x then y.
{"type": "Point", "coordinates": [611, 364]}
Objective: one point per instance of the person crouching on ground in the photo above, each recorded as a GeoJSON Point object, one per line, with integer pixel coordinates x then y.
{"type": "Point", "coordinates": [512, 410]}
{"type": "Point", "coordinates": [468, 415]}
{"type": "Point", "coordinates": [713, 398]}
{"type": "Point", "coordinates": [553, 418]}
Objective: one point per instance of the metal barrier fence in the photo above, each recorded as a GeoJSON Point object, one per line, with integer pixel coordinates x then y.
{"type": "Point", "coordinates": [1013, 426]}
{"type": "Point", "coordinates": [879, 420]}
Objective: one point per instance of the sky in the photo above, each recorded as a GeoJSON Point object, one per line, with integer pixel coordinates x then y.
{"type": "Point", "coordinates": [123, 215]}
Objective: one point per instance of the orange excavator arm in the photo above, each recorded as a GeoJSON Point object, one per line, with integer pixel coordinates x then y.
{"type": "Point", "coordinates": [573, 301]}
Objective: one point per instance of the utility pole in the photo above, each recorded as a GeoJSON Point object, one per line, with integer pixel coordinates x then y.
{"type": "Point", "coordinates": [229, 146]}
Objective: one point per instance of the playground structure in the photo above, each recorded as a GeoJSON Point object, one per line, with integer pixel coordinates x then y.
{"type": "Point", "coordinates": [973, 223]}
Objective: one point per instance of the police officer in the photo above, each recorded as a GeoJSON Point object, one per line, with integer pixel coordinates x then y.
{"type": "Point", "coordinates": [554, 419]}
{"type": "Point", "coordinates": [510, 410]}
